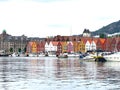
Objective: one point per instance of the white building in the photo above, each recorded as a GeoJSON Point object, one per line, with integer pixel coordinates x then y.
{"type": "Point", "coordinates": [90, 45]}
{"type": "Point", "coordinates": [51, 46]}
{"type": "Point", "coordinates": [86, 33]}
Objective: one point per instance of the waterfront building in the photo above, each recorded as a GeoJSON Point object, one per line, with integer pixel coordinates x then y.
{"type": "Point", "coordinates": [118, 45]}
{"type": "Point", "coordinates": [93, 45]}
{"type": "Point", "coordinates": [46, 46]}
{"type": "Point", "coordinates": [114, 45]}
{"type": "Point", "coordinates": [34, 47]}
{"type": "Point", "coordinates": [42, 46]}
{"type": "Point", "coordinates": [70, 47]}
{"type": "Point", "coordinates": [59, 48]}
{"type": "Point", "coordinates": [54, 46]}
{"type": "Point", "coordinates": [51, 47]}
{"type": "Point", "coordinates": [86, 33]}
{"type": "Point", "coordinates": [75, 46]}
{"type": "Point", "coordinates": [81, 46]}
{"type": "Point", "coordinates": [107, 44]}
{"type": "Point", "coordinates": [12, 44]}
{"type": "Point", "coordinates": [64, 46]}
{"type": "Point", "coordinates": [101, 44]}
{"type": "Point", "coordinates": [29, 47]}
{"type": "Point", "coordinates": [87, 46]}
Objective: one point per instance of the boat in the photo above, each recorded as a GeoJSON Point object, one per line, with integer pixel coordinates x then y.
{"type": "Point", "coordinates": [113, 57]}
{"type": "Point", "coordinates": [73, 55]}
{"type": "Point", "coordinates": [63, 55]}
{"type": "Point", "coordinates": [87, 57]}
{"type": "Point", "coordinates": [93, 57]}
{"type": "Point", "coordinates": [4, 55]}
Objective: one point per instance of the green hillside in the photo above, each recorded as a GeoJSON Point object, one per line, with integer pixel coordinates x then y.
{"type": "Point", "coordinates": [109, 29]}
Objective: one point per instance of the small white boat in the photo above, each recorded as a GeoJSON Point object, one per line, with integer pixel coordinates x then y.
{"type": "Point", "coordinates": [113, 57]}
{"type": "Point", "coordinates": [32, 55]}
{"type": "Point", "coordinates": [86, 57]}
{"type": "Point", "coordinates": [73, 55]}
{"type": "Point", "coordinates": [63, 55]}
{"type": "Point", "coordinates": [14, 55]}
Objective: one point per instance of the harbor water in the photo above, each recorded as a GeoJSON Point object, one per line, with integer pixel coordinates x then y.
{"type": "Point", "coordinates": [45, 73]}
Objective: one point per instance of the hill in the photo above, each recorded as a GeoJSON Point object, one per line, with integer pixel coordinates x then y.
{"type": "Point", "coordinates": [109, 29]}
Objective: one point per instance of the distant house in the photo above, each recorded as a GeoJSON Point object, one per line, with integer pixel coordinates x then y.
{"type": "Point", "coordinates": [70, 48]}
{"type": "Point", "coordinates": [59, 48]}
{"type": "Point", "coordinates": [29, 47]}
{"type": "Point", "coordinates": [47, 47]}
{"type": "Point", "coordinates": [107, 44]}
{"type": "Point", "coordinates": [90, 44]}
{"type": "Point", "coordinates": [14, 43]}
{"type": "Point", "coordinates": [53, 46]}
{"type": "Point", "coordinates": [86, 33]}
{"type": "Point", "coordinates": [81, 46]}
{"type": "Point", "coordinates": [87, 46]}
{"type": "Point", "coordinates": [34, 47]}
{"type": "Point", "coordinates": [102, 40]}
{"type": "Point", "coordinates": [75, 46]}
{"type": "Point", "coordinates": [64, 46]}
{"type": "Point", "coordinates": [93, 45]}
{"type": "Point", "coordinates": [42, 46]}
{"type": "Point", "coordinates": [113, 44]}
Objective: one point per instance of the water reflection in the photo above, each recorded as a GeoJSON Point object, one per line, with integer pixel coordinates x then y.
{"type": "Point", "coordinates": [57, 74]}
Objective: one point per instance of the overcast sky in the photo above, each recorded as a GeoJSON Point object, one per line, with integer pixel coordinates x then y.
{"type": "Point", "coordinates": [42, 18]}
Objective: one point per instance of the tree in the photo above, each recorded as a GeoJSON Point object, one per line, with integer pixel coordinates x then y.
{"type": "Point", "coordinates": [25, 49]}
{"type": "Point", "coordinates": [19, 50]}
{"type": "Point", "coordinates": [11, 50]}
{"type": "Point", "coordinates": [103, 35]}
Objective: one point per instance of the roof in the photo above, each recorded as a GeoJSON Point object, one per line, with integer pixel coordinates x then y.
{"type": "Point", "coordinates": [102, 40]}
{"type": "Point", "coordinates": [55, 43]}
{"type": "Point", "coordinates": [86, 31]}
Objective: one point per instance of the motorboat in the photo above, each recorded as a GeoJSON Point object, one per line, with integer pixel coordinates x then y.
{"type": "Point", "coordinates": [113, 57]}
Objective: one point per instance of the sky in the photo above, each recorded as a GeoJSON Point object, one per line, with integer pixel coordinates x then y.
{"type": "Point", "coordinates": [43, 18]}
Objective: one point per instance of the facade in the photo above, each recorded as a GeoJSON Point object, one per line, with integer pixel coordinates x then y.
{"type": "Point", "coordinates": [93, 45]}
{"type": "Point", "coordinates": [75, 46]}
{"type": "Point", "coordinates": [118, 45]}
{"type": "Point", "coordinates": [12, 44]}
{"type": "Point", "coordinates": [51, 47]}
{"type": "Point", "coordinates": [81, 46]}
{"type": "Point", "coordinates": [70, 47]}
{"type": "Point", "coordinates": [58, 44]}
{"type": "Point", "coordinates": [46, 46]}
{"type": "Point", "coordinates": [87, 46]}
{"type": "Point", "coordinates": [64, 46]}
{"type": "Point", "coordinates": [59, 48]}
{"type": "Point", "coordinates": [107, 44]}
{"type": "Point", "coordinates": [86, 33]}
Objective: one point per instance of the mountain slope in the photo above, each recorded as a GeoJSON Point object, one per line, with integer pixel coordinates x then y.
{"type": "Point", "coordinates": [109, 29]}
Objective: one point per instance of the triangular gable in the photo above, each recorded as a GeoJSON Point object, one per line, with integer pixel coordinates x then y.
{"type": "Point", "coordinates": [102, 40]}
{"type": "Point", "coordinates": [55, 43]}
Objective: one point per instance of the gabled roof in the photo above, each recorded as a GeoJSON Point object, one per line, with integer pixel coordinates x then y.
{"type": "Point", "coordinates": [102, 40]}
{"type": "Point", "coordinates": [55, 43]}
{"type": "Point", "coordinates": [86, 31]}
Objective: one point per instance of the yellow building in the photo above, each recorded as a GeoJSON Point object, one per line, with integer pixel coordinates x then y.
{"type": "Point", "coordinates": [81, 46]}
{"type": "Point", "coordinates": [75, 46]}
{"type": "Point", "coordinates": [64, 46]}
{"type": "Point", "coordinates": [34, 47]}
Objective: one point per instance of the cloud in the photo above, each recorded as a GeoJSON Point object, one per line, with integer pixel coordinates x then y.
{"type": "Point", "coordinates": [49, 17]}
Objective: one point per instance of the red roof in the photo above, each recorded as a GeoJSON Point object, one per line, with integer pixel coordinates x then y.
{"type": "Point", "coordinates": [55, 43]}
